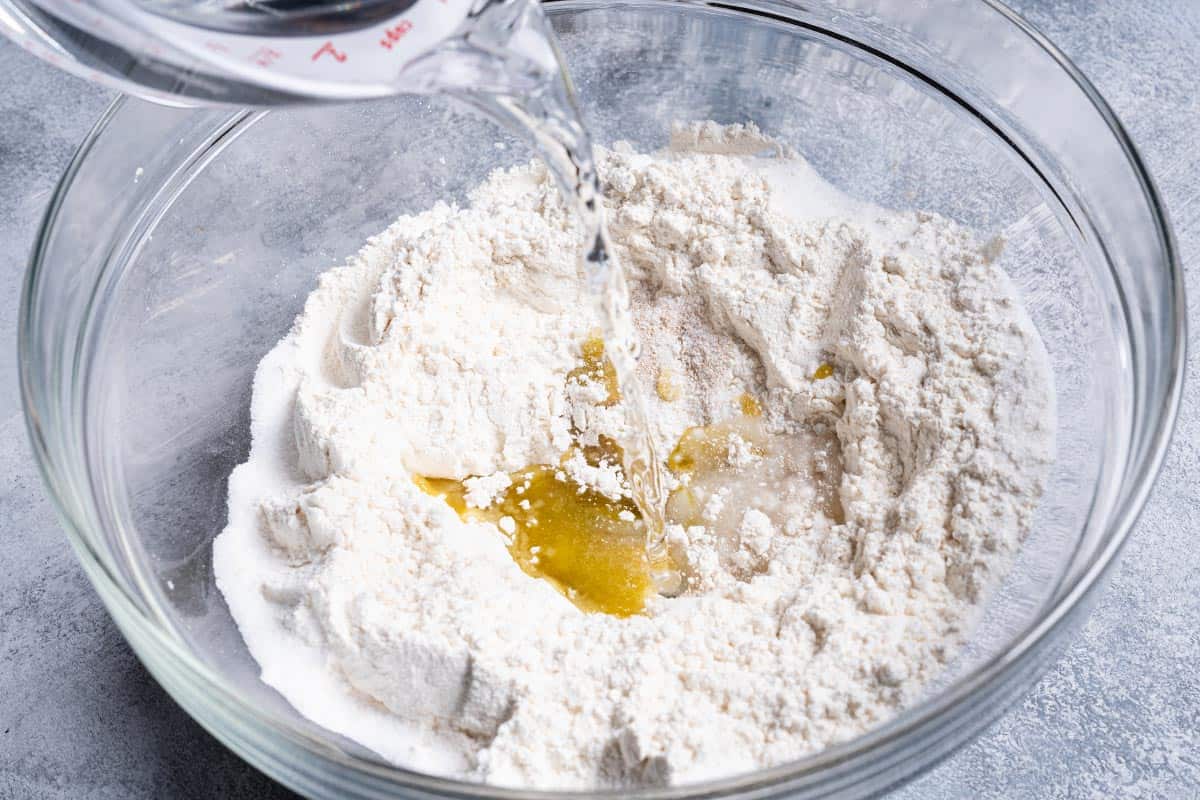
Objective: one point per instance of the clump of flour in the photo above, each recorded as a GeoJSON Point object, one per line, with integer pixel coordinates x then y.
{"type": "Point", "coordinates": [902, 426]}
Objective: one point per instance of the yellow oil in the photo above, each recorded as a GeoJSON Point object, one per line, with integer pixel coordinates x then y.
{"type": "Point", "coordinates": [824, 371]}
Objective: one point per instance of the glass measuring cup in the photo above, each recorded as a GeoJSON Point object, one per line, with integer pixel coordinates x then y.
{"type": "Point", "coordinates": [271, 52]}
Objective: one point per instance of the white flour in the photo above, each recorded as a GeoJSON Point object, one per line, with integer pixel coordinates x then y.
{"type": "Point", "coordinates": [832, 567]}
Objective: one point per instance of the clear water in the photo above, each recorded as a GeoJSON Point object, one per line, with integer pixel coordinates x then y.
{"type": "Point", "coordinates": [523, 83]}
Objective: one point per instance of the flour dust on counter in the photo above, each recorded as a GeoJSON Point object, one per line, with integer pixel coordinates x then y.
{"type": "Point", "coordinates": [432, 548]}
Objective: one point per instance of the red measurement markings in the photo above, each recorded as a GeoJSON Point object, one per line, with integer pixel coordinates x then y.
{"type": "Point", "coordinates": [328, 47]}
{"type": "Point", "coordinates": [265, 56]}
{"type": "Point", "coordinates": [395, 34]}
{"type": "Point", "coordinates": [216, 47]}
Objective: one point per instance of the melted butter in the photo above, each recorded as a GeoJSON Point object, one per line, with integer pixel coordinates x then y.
{"type": "Point", "coordinates": [704, 460]}
{"type": "Point", "coordinates": [597, 369]}
{"type": "Point", "coordinates": [702, 457]}
{"type": "Point", "coordinates": [750, 406]}
{"type": "Point", "coordinates": [593, 548]}
{"type": "Point", "coordinates": [450, 490]}
{"type": "Point", "coordinates": [665, 386]}
{"type": "Point", "coordinates": [590, 547]}
{"type": "Point", "coordinates": [701, 449]}
{"type": "Point", "coordinates": [705, 448]}
{"type": "Point", "coordinates": [824, 371]}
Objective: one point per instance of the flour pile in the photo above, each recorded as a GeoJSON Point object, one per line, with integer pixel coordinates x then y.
{"type": "Point", "coordinates": [883, 410]}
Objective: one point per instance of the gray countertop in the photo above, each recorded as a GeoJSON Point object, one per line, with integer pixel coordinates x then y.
{"type": "Point", "coordinates": [1117, 716]}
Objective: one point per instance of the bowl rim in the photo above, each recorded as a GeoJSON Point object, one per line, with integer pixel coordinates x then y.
{"type": "Point", "coordinates": [128, 611]}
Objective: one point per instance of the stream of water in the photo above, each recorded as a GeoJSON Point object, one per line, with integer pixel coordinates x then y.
{"type": "Point", "coordinates": [508, 67]}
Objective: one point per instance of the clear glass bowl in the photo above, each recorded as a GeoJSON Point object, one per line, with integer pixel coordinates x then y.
{"type": "Point", "coordinates": [181, 243]}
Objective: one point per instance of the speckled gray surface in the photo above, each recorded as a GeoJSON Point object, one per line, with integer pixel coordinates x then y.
{"type": "Point", "coordinates": [1118, 716]}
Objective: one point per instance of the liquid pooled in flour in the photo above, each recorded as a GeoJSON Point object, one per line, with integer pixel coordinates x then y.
{"type": "Point", "coordinates": [588, 545]}
{"type": "Point", "coordinates": [741, 464]}
{"type": "Point", "coordinates": [592, 546]}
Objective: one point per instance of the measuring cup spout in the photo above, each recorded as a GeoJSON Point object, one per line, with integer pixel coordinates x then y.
{"type": "Point", "coordinates": [268, 52]}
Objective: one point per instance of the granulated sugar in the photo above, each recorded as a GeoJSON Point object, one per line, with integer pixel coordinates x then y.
{"type": "Point", "coordinates": [859, 416]}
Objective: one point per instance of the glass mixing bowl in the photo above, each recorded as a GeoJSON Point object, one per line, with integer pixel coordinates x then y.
{"type": "Point", "coordinates": [181, 243]}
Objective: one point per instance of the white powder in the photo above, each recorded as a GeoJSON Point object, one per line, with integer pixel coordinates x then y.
{"type": "Point", "coordinates": [833, 567]}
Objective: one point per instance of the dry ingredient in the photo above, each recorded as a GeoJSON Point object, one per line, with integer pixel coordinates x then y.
{"type": "Point", "coordinates": [858, 414]}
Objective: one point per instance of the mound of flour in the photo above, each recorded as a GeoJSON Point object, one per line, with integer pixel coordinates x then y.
{"type": "Point", "coordinates": [906, 402]}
